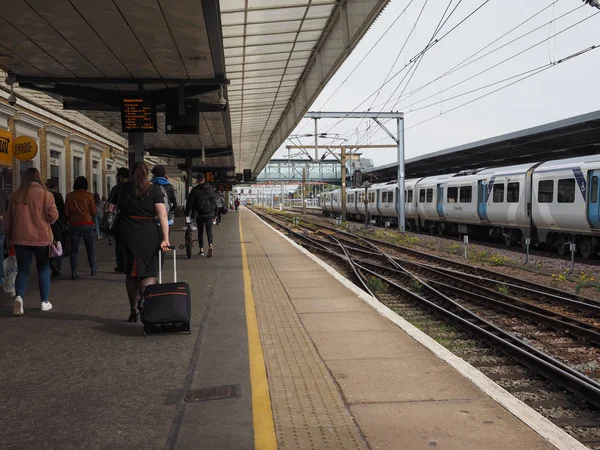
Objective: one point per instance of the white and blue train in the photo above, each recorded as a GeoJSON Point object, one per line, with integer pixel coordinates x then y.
{"type": "Point", "coordinates": [552, 202]}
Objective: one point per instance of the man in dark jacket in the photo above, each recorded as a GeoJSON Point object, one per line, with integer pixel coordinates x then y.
{"type": "Point", "coordinates": [122, 177]}
{"type": "Point", "coordinates": [160, 178]}
{"type": "Point", "coordinates": [202, 203]}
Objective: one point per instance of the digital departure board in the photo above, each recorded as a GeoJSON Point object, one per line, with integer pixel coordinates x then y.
{"type": "Point", "coordinates": [138, 115]}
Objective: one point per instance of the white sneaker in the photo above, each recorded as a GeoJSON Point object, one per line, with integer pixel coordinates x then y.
{"type": "Point", "coordinates": [18, 309]}
{"type": "Point", "coordinates": [46, 306]}
{"type": "Point", "coordinates": [194, 228]}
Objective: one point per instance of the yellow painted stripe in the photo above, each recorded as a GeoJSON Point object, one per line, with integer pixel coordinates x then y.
{"type": "Point", "coordinates": [262, 414]}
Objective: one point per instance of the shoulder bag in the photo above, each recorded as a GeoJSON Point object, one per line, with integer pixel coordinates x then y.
{"type": "Point", "coordinates": [111, 217]}
{"type": "Point", "coordinates": [55, 249]}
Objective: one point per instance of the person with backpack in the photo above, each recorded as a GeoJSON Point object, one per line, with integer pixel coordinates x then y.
{"type": "Point", "coordinates": [237, 204]}
{"type": "Point", "coordinates": [160, 179]}
{"type": "Point", "coordinates": [202, 203]}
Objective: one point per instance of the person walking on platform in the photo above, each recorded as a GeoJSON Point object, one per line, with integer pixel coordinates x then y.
{"type": "Point", "coordinates": [122, 177]}
{"type": "Point", "coordinates": [140, 204]}
{"type": "Point", "coordinates": [219, 208]}
{"type": "Point", "coordinates": [160, 179]}
{"type": "Point", "coordinates": [202, 203]}
{"type": "Point", "coordinates": [60, 227]}
{"type": "Point", "coordinates": [30, 213]}
{"type": "Point", "coordinates": [80, 210]}
{"type": "Point", "coordinates": [237, 204]}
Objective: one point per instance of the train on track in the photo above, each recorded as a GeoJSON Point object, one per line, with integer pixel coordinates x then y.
{"type": "Point", "coordinates": [552, 202]}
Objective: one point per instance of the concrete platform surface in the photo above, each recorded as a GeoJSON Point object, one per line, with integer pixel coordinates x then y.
{"type": "Point", "coordinates": [399, 394]}
{"type": "Point", "coordinates": [80, 376]}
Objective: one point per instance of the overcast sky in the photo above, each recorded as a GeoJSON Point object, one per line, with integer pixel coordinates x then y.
{"type": "Point", "coordinates": [562, 91]}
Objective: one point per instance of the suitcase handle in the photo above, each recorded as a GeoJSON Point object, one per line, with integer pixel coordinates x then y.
{"type": "Point", "coordinates": [171, 247]}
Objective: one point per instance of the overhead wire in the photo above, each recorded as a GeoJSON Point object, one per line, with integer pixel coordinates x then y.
{"type": "Point", "coordinates": [432, 42]}
{"type": "Point", "coordinates": [365, 56]}
{"type": "Point", "coordinates": [508, 58]}
{"type": "Point", "coordinates": [464, 63]}
{"type": "Point", "coordinates": [411, 62]}
{"type": "Point", "coordinates": [528, 74]}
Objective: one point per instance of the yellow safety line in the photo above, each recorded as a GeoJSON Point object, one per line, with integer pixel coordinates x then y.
{"type": "Point", "coordinates": [262, 414]}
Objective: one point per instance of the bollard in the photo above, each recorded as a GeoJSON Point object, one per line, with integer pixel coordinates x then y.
{"type": "Point", "coordinates": [572, 250]}
{"type": "Point", "coordinates": [372, 223]}
{"type": "Point", "coordinates": [387, 225]}
{"type": "Point", "coordinates": [281, 207]}
{"type": "Point", "coordinates": [527, 242]}
{"type": "Point", "coordinates": [466, 243]}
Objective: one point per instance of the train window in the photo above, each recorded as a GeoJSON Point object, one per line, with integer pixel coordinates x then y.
{"type": "Point", "coordinates": [422, 195]}
{"type": "Point", "coordinates": [430, 195]}
{"type": "Point", "coordinates": [566, 190]}
{"type": "Point", "coordinates": [466, 194]}
{"type": "Point", "coordinates": [545, 191]}
{"type": "Point", "coordinates": [410, 195]}
{"type": "Point", "coordinates": [594, 189]}
{"type": "Point", "coordinates": [498, 193]}
{"type": "Point", "coordinates": [452, 194]}
{"type": "Point", "coordinates": [512, 193]}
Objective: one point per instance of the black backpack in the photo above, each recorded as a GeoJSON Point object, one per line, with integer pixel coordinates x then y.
{"type": "Point", "coordinates": [204, 201]}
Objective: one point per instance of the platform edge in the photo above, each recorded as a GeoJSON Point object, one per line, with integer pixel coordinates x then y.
{"type": "Point", "coordinates": [538, 423]}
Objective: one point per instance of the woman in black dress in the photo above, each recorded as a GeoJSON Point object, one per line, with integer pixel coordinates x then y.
{"type": "Point", "coordinates": [143, 229]}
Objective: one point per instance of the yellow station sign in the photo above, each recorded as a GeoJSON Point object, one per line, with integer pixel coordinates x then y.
{"type": "Point", "coordinates": [24, 148]}
{"type": "Point", "coordinates": [5, 148]}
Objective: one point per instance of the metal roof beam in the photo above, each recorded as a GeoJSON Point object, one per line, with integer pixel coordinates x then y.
{"type": "Point", "coordinates": [353, 115]}
{"type": "Point", "coordinates": [189, 153]}
{"type": "Point", "coordinates": [218, 81]}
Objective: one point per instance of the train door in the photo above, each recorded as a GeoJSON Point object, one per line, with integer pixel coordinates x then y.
{"type": "Point", "coordinates": [482, 199]}
{"type": "Point", "coordinates": [378, 200]}
{"type": "Point", "coordinates": [397, 202]}
{"type": "Point", "coordinates": [593, 199]}
{"type": "Point", "coordinates": [440, 200]}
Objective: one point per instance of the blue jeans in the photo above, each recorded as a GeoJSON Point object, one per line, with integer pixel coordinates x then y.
{"type": "Point", "coordinates": [24, 255]}
{"type": "Point", "coordinates": [85, 232]}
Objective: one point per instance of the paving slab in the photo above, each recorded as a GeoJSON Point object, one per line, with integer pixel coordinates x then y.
{"type": "Point", "coordinates": [376, 344]}
{"type": "Point", "coordinates": [448, 425]}
{"type": "Point", "coordinates": [417, 378]}
{"type": "Point", "coordinates": [324, 305]}
{"type": "Point", "coordinates": [344, 321]}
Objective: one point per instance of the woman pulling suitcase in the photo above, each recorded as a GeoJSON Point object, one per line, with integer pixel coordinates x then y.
{"type": "Point", "coordinates": [140, 203]}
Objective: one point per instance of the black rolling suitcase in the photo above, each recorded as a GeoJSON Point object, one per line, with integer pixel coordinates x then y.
{"type": "Point", "coordinates": [167, 308]}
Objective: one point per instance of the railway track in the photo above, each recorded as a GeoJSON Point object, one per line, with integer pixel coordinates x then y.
{"type": "Point", "coordinates": [536, 341]}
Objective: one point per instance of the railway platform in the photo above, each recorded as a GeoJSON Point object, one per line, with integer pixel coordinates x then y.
{"type": "Point", "coordinates": [283, 354]}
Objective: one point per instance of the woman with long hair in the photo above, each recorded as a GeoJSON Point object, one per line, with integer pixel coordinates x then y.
{"type": "Point", "coordinates": [30, 213]}
{"type": "Point", "coordinates": [140, 203]}
{"type": "Point", "coordinates": [80, 210]}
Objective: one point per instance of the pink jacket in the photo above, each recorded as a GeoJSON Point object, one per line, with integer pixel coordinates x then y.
{"type": "Point", "coordinates": [29, 224]}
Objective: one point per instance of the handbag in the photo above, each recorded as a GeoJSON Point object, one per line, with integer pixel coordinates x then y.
{"type": "Point", "coordinates": [56, 250]}
{"type": "Point", "coordinates": [111, 218]}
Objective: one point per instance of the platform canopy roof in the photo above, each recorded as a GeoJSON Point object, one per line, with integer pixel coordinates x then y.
{"type": "Point", "coordinates": [270, 57]}
{"type": "Point", "coordinates": [575, 136]}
